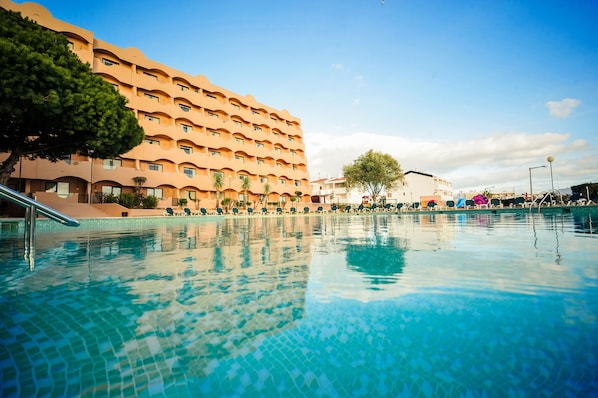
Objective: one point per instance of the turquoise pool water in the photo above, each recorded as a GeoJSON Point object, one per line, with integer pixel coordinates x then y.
{"type": "Point", "coordinates": [459, 305]}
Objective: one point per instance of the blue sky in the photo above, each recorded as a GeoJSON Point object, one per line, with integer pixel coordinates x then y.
{"type": "Point", "coordinates": [472, 91]}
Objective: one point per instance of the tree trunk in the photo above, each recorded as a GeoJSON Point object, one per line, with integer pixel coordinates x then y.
{"type": "Point", "coordinates": [8, 166]}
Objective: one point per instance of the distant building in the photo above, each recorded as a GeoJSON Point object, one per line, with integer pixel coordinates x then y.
{"type": "Point", "coordinates": [334, 190]}
{"type": "Point", "coordinates": [194, 130]}
{"type": "Point", "coordinates": [418, 187]}
{"type": "Point", "coordinates": [421, 187]}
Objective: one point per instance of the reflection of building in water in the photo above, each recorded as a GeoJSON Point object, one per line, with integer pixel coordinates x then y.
{"type": "Point", "coordinates": [413, 231]}
{"type": "Point", "coordinates": [179, 298]}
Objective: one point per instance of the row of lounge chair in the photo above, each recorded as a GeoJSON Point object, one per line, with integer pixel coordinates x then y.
{"type": "Point", "coordinates": [574, 200]}
{"type": "Point", "coordinates": [169, 211]}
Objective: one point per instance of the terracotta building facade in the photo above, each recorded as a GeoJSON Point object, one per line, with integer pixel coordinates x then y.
{"type": "Point", "coordinates": [194, 130]}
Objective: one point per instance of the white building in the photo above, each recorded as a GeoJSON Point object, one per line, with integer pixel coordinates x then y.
{"type": "Point", "coordinates": [421, 187]}
{"type": "Point", "coordinates": [418, 187]}
{"type": "Point", "coordinates": [334, 191]}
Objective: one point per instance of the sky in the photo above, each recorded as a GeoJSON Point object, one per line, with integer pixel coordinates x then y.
{"type": "Point", "coordinates": [473, 91]}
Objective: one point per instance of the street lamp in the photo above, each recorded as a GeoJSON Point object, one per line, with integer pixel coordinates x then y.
{"type": "Point", "coordinates": [550, 160]}
{"type": "Point", "coordinates": [531, 190]}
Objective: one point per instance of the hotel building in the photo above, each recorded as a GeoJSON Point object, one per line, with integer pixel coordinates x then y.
{"type": "Point", "coordinates": [194, 130]}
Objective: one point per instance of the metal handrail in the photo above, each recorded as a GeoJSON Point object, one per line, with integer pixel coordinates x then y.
{"type": "Point", "coordinates": [32, 208]}
{"type": "Point", "coordinates": [549, 195]}
{"type": "Point", "coordinates": [28, 203]}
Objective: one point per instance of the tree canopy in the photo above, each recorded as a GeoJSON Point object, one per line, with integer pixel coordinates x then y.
{"type": "Point", "coordinates": [52, 104]}
{"type": "Point", "coordinates": [372, 172]}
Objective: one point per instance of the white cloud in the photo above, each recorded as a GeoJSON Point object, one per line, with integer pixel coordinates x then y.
{"type": "Point", "coordinates": [501, 161]}
{"type": "Point", "coordinates": [355, 102]}
{"type": "Point", "coordinates": [562, 109]}
{"type": "Point", "coordinates": [337, 66]}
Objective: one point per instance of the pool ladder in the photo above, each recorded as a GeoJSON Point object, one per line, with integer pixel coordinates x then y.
{"type": "Point", "coordinates": [32, 209]}
{"type": "Point", "coordinates": [550, 196]}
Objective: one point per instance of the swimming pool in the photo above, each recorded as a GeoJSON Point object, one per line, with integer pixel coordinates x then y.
{"type": "Point", "coordinates": [469, 304]}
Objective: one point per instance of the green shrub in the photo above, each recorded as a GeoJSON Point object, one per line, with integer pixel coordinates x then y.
{"type": "Point", "coordinates": [128, 200]}
{"type": "Point", "coordinates": [150, 202]}
{"type": "Point", "coordinates": [111, 198]}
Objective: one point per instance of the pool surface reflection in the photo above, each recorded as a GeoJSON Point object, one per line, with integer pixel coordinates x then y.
{"type": "Point", "coordinates": [319, 306]}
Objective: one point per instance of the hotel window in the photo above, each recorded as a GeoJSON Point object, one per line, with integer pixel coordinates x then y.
{"type": "Point", "coordinates": [294, 167]}
{"type": "Point", "coordinates": [240, 158]}
{"type": "Point", "coordinates": [154, 167]}
{"type": "Point", "coordinates": [293, 153]}
{"type": "Point", "coordinates": [273, 118]}
{"type": "Point", "coordinates": [257, 128]}
{"type": "Point", "coordinates": [151, 96]}
{"type": "Point", "coordinates": [240, 140]}
{"type": "Point", "coordinates": [276, 135]}
{"type": "Point", "coordinates": [219, 173]}
{"type": "Point", "coordinates": [152, 118]}
{"type": "Point", "coordinates": [211, 96]}
{"type": "Point", "coordinates": [297, 183]}
{"type": "Point", "coordinates": [242, 177]}
{"type": "Point", "coordinates": [152, 142]}
{"type": "Point", "coordinates": [263, 180]}
{"type": "Point", "coordinates": [289, 124]}
{"type": "Point", "coordinates": [238, 123]}
{"type": "Point", "coordinates": [66, 159]}
{"type": "Point", "coordinates": [189, 172]}
{"type": "Point", "coordinates": [61, 188]}
{"type": "Point", "coordinates": [150, 75]}
{"type": "Point", "coordinates": [70, 45]}
{"type": "Point", "coordinates": [214, 133]}
{"type": "Point", "coordinates": [191, 195]}
{"type": "Point", "coordinates": [236, 106]}
{"type": "Point", "coordinates": [185, 108]}
{"type": "Point", "coordinates": [212, 114]}
{"type": "Point", "coordinates": [214, 153]}
{"type": "Point", "coordinates": [187, 149]}
{"type": "Point", "coordinates": [278, 164]}
{"type": "Point", "coordinates": [182, 87]}
{"type": "Point", "coordinates": [277, 149]}
{"type": "Point", "coordinates": [260, 161]}
{"type": "Point", "coordinates": [111, 164]}
{"type": "Point", "coordinates": [291, 138]}
{"type": "Point", "coordinates": [108, 62]}
{"type": "Point", "coordinates": [186, 128]}
{"type": "Point", "coordinates": [255, 112]}
{"type": "Point", "coordinates": [157, 192]}
{"type": "Point", "coordinates": [282, 182]}
{"type": "Point", "coordinates": [110, 190]}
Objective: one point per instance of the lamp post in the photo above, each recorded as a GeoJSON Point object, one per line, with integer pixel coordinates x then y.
{"type": "Point", "coordinates": [550, 160]}
{"type": "Point", "coordinates": [531, 190]}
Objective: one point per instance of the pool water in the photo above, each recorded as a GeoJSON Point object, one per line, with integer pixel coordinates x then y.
{"type": "Point", "coordinates": [387, 305]}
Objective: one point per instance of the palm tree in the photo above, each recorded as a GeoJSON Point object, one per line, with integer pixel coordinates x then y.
{"type": "Point", "coordinates": [218, 184]}
{"type": "Point", "coordinates": [245, 186]}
